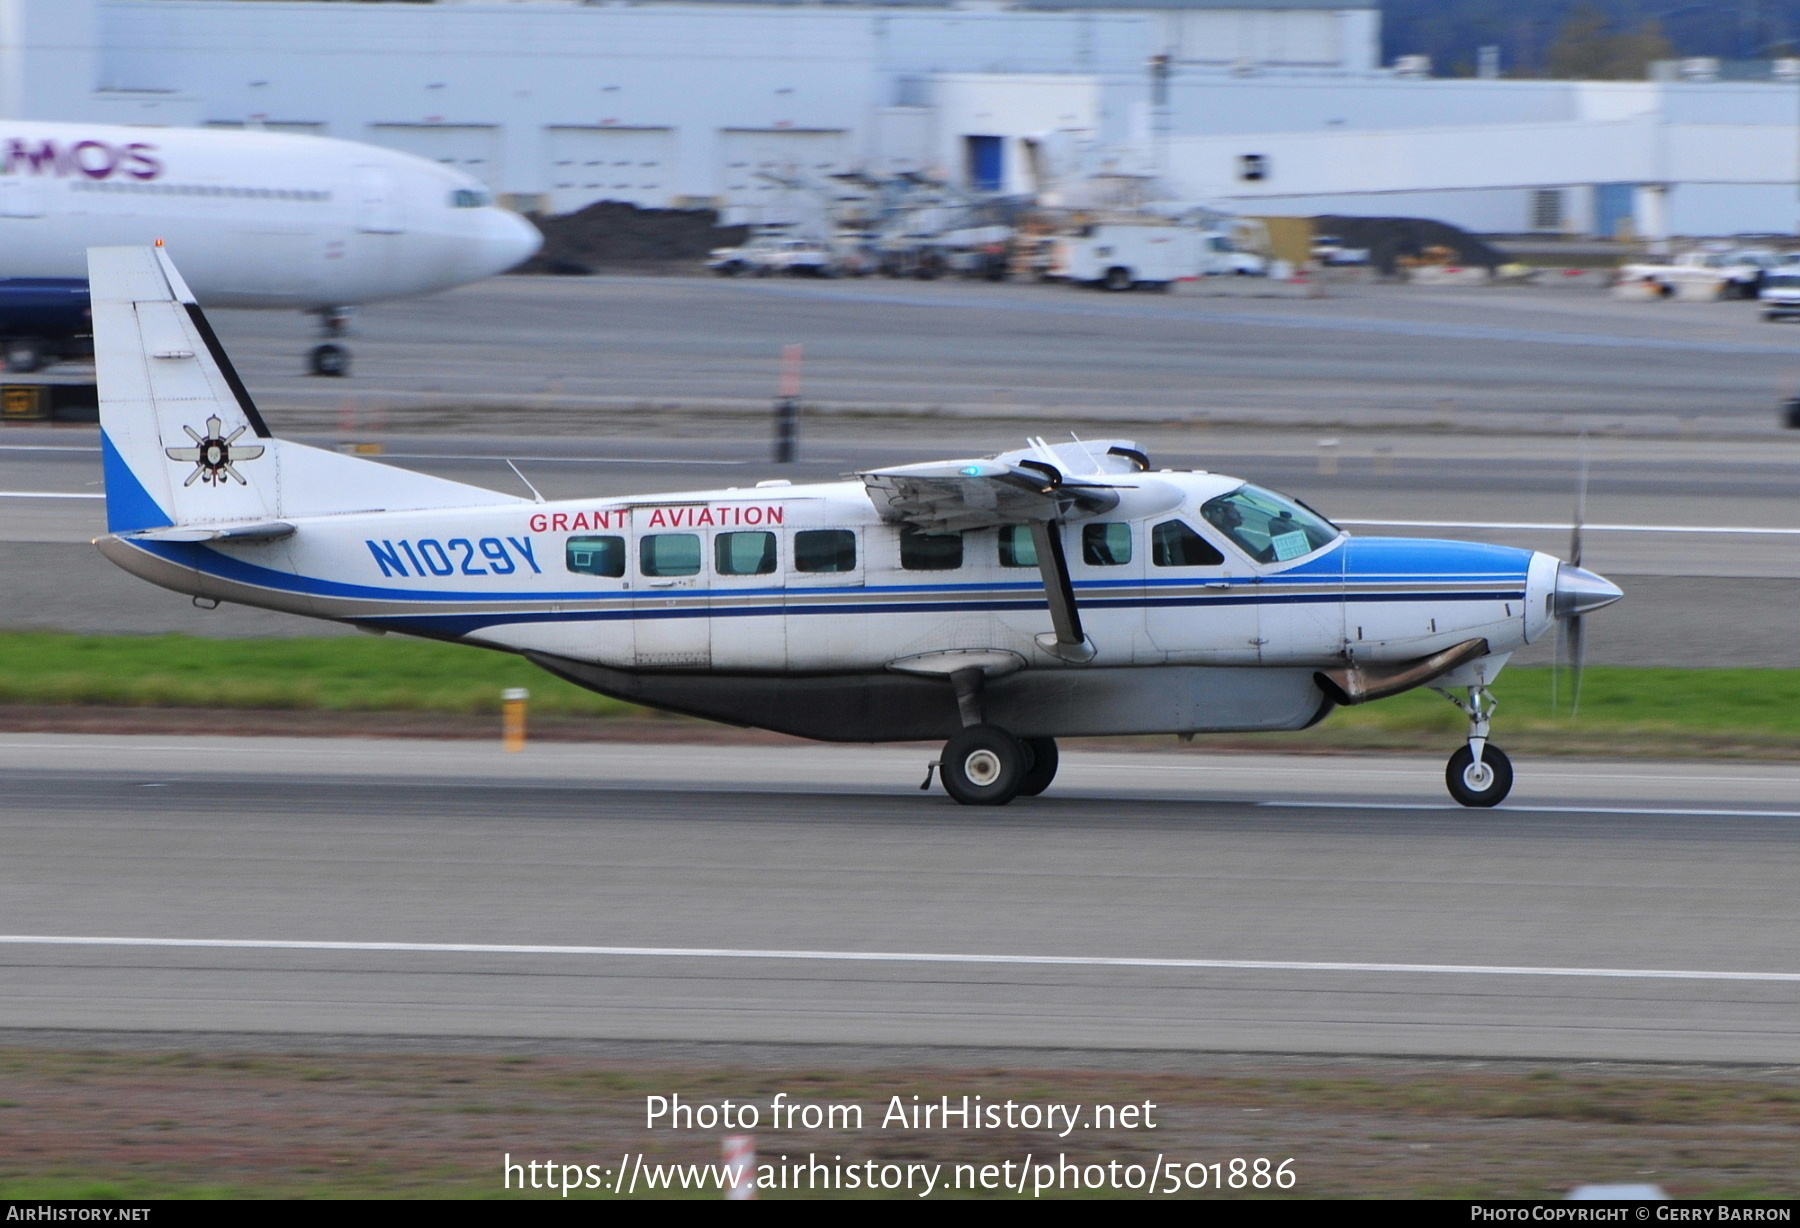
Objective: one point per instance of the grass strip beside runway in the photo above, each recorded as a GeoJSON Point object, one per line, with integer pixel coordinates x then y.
{"type": "Point", "coordinates": [1733, 711]}
{"type": "Point", "coordinates": [386, 674]}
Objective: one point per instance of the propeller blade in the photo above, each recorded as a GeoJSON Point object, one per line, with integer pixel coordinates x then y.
{"type": "Point", "coordinates": [1581, 485]}
{"type": "Point", "coordinates": [1556, 665]}
{"type": "Point", "coordinates": [1577, 651]}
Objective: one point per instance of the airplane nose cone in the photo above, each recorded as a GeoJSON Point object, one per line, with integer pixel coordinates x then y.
{"type": "Point", "coordinates": [508, 241]}
{"type": "Point", "coordinates": [1579, 591]}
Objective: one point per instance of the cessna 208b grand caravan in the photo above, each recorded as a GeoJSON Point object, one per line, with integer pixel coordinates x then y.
{"type": "Point", "coordinates": [260, 219]}
{"type": "Point", "coordinates": [999, 603]}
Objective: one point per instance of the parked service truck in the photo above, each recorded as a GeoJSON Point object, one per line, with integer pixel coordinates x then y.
{"type": "Point", "coordinates": [1127, 255]}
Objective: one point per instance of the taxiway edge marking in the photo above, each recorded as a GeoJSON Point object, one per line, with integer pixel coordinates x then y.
{"type": "Point", "coordinates": [898, 957]}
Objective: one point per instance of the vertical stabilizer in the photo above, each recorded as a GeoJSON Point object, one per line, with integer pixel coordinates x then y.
{"type": "Point", "coordinates": [183, 443]}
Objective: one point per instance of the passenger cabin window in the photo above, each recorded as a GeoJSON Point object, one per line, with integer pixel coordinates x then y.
{"type": "Point", "coordinates": [1173, 544]}
{"type": "Point", "coordinates": [1268, 527]}
{"type": "Point", "coordinates": [596, 556]}
{"type": "Point", "coordinates": [922, 551]}
{"type": "Point", "coordinates": [744, 554]}
{"type": "Point", "coordinates": [1016, 547]}
{"type": "Point", "coordinates": [825, 550]}
{"type": "Point", "coordinates": [1106, 545]}
{"type": "Point", "coordinates": [669, 554]}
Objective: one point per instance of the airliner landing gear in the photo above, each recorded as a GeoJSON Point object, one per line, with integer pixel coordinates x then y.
{"type": "Point", "coordinates": [1478, 774]}
{"type": "Point", "coordinates": [331, 357]}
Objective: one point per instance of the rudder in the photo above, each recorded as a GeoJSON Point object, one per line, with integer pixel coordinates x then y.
{"type": "Point", "coordinates": [181, 439]}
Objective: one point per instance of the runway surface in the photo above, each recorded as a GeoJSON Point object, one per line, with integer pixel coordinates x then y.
{"type": "Point", "coordinates": [1500, 357]}
{"type": "Point", "coordinates": [813, 894]}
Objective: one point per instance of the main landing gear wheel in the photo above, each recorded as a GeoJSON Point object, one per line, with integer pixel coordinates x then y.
{"type": "Point", "coordinates": [984, 765]}
{"type": "Point", "coordinates": [25, 354]}
{"type": "Point", "coordinates": [1042, 771]}
{"type": "Point", "coordinates": [1483, 784]}
{"type": "Point", "coordinates": [329, 358]}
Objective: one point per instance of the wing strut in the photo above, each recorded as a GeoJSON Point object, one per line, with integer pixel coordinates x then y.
{"type": "Point", "coordinates": [1068, 641]}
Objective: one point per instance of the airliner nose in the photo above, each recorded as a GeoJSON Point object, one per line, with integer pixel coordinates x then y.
{"type": "Point", "coordinates": [507, 240]}
{"type": "Point", "coordinates": [1579, 591]}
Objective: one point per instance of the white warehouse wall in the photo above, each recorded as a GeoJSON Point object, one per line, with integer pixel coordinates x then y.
{"type": "Point", "coordinates": [683, 103]}
{"type": "Point", "coordinates": [1013, 107]}
{"type": "Point", "coordinates": [526, 85]}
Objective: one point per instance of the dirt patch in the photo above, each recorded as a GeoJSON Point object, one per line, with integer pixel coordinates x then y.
{"type": "Point", "coordinates": [613, 237]}
{"type": "Point", "coordinates": [1390, 238]}
{"type": "Point", "coordinates": [308, 1124]}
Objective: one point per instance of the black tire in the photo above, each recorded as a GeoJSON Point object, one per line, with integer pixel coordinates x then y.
{"type": "Point", "coordinates": [24, 354]}
{"type": "Point", "coordinates": [1493, 791]}
{"type": "Point", "coordinates": [1042, 771]}
{"type": "Point", "coordinates": [329, 359]}
{"type": "Point", "coordinates": [983, 766]}
{"type": "Point", "coordinates": [1117, 279]}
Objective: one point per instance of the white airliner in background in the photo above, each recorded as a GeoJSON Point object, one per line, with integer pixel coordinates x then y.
{"type": "Point", "coordinates": [258, 219]}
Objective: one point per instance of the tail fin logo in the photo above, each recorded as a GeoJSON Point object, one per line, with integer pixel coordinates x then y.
{"type": "Point", "coordinates": [214, 454]}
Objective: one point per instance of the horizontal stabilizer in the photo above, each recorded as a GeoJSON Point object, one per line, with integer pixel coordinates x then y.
{"type": "Point", "coordinates": [267, 531]}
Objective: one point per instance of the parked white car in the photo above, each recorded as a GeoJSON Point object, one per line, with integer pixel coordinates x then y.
{"type": "Point", "coordinates": [1723, 273]}
{"type": "Point", "coordinates": [1780, 293]}
{"type": "Point", "coordinates": [766, 255]}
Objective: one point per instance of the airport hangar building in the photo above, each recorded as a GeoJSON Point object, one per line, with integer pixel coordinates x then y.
{"type": "Point", "coordinates": [1268, 106]}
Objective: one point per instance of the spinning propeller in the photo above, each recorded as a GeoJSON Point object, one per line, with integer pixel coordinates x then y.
{"type": "Point", "coordinates": [1578, 593]}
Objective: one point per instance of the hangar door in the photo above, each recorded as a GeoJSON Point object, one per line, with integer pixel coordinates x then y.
{"type": "Point", "coordinates": [755, 160]}
{"type": "Point", "coordinates": [472, 148]}
{"type": "Point", "coordinates": [636, 165]}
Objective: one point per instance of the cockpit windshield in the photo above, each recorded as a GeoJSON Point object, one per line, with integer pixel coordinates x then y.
{"type": "Point", "coordinates": [470, 198]}
{"type": "Point", "coordinates": [1270, 528]}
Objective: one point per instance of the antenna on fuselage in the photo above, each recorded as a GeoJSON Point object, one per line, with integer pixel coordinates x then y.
{"type": "Point", "coordinates": [526, 480]}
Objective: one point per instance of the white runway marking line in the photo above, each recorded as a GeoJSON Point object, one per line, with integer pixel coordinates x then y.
{"type": "Point", "coordinates": [899, 957]}
{"type": "Point", "coordinates": [1563, 528]}
{"type": "Point", "coordinates": [46, 494]}
{"type": "Point", "coordinates": [1529, 808]}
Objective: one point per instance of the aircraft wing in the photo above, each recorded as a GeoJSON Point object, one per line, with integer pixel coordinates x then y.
{"type": "Point", "coordinates": [1040, 486]}
{"type": "Point", "coordinates": [1034, 485]}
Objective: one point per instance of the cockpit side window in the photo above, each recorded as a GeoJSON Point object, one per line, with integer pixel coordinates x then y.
{"type": "Point", "coordinates": [1106, 545]}
{"type": "Point", "coordinates": [1174, 544]}
{"type": "Point", "coordinates": [1268, 527]}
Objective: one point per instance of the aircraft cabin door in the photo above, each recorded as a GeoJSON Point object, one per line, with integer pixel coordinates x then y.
{"type": "Point", "coordinates": [671, 619]}
{"type": "Point", "coordinates": [1201, 598]}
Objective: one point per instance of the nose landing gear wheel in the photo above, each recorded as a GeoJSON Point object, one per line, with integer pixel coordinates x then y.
{"type": "Point", "coordinates": [983, 766]}
{"type": "Point", "coordinates": [1486, 785]}
{"type": "Point", "coordinates": [329, 358]}
{"type": "Point", "coordinates": [1042, 771]}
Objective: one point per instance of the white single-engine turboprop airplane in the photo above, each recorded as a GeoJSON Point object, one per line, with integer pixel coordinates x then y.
{"type": "Point", "coordinates": [1000, 603]}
